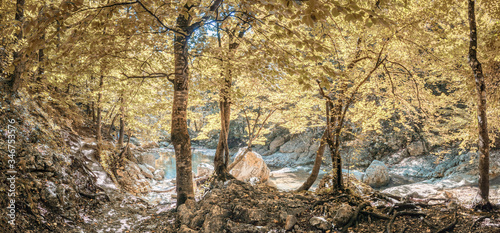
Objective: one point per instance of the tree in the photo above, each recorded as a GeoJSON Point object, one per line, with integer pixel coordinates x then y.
{"type": "Point", "coordinates": [484, 141]}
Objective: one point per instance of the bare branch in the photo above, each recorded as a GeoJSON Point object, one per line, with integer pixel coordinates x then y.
{"type": "Point", "coordinates": [153, 75]}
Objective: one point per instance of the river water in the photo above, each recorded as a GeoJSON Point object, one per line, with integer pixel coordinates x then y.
{"type": "Point", "coordinates": [285, 179]}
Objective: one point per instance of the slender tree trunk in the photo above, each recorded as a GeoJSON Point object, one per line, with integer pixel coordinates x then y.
{"type": "Point", "coordinates": [221, 159]}
{"type": "Point", "coordinates": [122, 123]}
{"type": "Point", "coordinates": [484, 141]}
{"type": "Point", "coordinates": [16, 78]}
{"type": "Point", "coordinates": [112, 123]}
{"type": "Point", "coordinates": [94, 117]}
{"type": "Point", "coordinates": [179, 131]}
{"type": "Point", "coordinates": [99, 133]}
{"type": "Point", "coordinates": [317, 165]}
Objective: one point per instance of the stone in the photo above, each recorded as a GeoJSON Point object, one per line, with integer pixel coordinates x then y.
{"type": "Point", "coordinates": [291, 220]}
{"type": "Point", "coordinates": [252, 165]}
{"type": "Point", "coordinates": [145, 171]}
{"type": "Point", "coordinates": [204, 169]}
{"type": "Point", "coordinates": [132, 180]}
{"type": "Point", "coordinates": [276, 143]}
{"type": "Point", "coordinates": [151, 168]}
{"type": "Point", "coordinates": [320, 223]}
{"type": "Point", "coordinates": [159, 174]}
{"type": "Point", "coordinates": [377, 174]}
{"type": "Point", "coordinates": [343, 215]}
{"type": "Point", "coordinates": [416, 148]}
{"type": "Point", "coordinates": [186, 229]}
{"type": "Point", "coordinates": [147, 159]}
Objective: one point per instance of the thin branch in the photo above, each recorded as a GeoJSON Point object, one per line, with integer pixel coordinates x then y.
{"type": "Point", "coordinates": [153, 75]}
{"type": "Point", "coordinates": [159, 21]}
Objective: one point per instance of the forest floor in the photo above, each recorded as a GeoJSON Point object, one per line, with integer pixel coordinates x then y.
{"type": "Point", "coordinates": [235, 206]}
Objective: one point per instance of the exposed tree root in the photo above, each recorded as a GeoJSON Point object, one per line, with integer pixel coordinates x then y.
{"type": "Point", "coordinates": [355, 216]}
{"type": "Point", "coordinates": [320, 202]}
{"type": "Point", "coordinates": [380, 216]}
{"type": "Point", "coordinates": [476, 221]}
{"type": "Point", "coordinates": [396, 214]}
{"type": "Point", "coordinates": [450, 226]}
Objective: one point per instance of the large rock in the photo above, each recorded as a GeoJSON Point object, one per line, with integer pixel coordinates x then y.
{"type": "Point", "coordinates": [377, 174]}
{"type": "Point", "coordinates": [147, 159]}
{"type": "Point", "coordinates": [276, 143]}
{"type": "Point", "coordinates": [320, 223]}
{"type": "Point", "coordinates": [145, 171]}
{"type": "Point", "coordinates": [343, 215]}
{"type": "Point", "coordinates": [416, 148]}
{"type": "Point", "coordinates": [252, 165]}
{"type": "Point", "coordinates": [132, 179]}
{"type": "Point", "coordinates": [204, 169]}
{"type": "Point", "coordinates": [159, 174]}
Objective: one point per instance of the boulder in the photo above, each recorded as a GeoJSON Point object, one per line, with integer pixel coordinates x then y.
{"type": "Point", "coordinates": [343, 215]}
{"type": "Point", "coordinates": [320, 223]}
{"type": "Point", "coordinates": [276, 143]}
{"type": "Point", "coordinates": [377, 174]}
{"type": "Point", "coordinates": [147, 159]}
{"type": "Point", "coordinates": [132, 179]}
{"type": "Point", "coordinates": [416, 148]}
{"type": "Point", "coordinates": [291, 220]}
{"type": "Point", "coordinates": [159, 174]}
{"type": "Point", "coordinates": [251, 165]}
{"type": "Point", "coordinates": [204, 169]}
{"type": "Point", "coordinates": [145, 171]}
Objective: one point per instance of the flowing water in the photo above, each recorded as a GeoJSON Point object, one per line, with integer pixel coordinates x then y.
{"type": "Point", "coordinates": [284, 178]}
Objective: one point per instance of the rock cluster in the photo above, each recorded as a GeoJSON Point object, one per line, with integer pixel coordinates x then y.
{"type": "Point", "coordinates": [236, 206]}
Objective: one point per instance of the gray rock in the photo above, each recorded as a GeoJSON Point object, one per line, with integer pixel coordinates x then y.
{"type": "Point", "coordinates": [147, 159]}
{"type": "Point", "coordinates": [159, 174]}
{"type": "Point", "coordinates": [276, 143]}
{"type": "Point", "coordinates": [377, 174]}
{"type": "Point", "coordinates": [291, 220]}
{"type": "Point", "coordinates": [204, 169]}
{"type": "Point", "coordinates": [186, 229]}
{"type": "Point", "coordinates": [343, 215]}
{"type": "Point", "coordinates": [145, 171]}
{"type": "Point", "coordinates": [320, 223]}
{"type": "Point", "coordinates": [416, 148]}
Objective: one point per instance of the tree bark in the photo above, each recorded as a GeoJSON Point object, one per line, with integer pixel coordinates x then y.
{"type": "Point", "coordinates": [16, 78]}
{"type": "Point", "coordinates": [484, 141]}
{"type": "Point", "coordinates": [222, 152]}
{"type": "Point", "coordinates": [179, 131]}
{"type": "Point", "coordinates": [122, 123]}
{"type": "Point", "coordinates": [99, 133]}
{"type": "Point", "coordinates": [111, 125]}
{"type": "Point", "coordinates": [317, 165]}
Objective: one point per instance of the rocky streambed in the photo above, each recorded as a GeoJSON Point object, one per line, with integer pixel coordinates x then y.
{"type": "Point", "coordinates": [398, 174]}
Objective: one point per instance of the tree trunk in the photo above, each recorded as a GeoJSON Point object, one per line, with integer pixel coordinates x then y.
{"type": "Point", "coordinates": [16, 78]}
{"type": "Point", "coordinates": [179, 130]}
{"type": "Point", "coordinates": [317, 165]}
{"type": "Point", "coordinates": [484, 141]}
{"type": "Point", "coordinates": [122, 123]}
{"type": "Point", "coordinates": [112, 123]}
{"type": "Point", "coordinates": [99, 134]}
